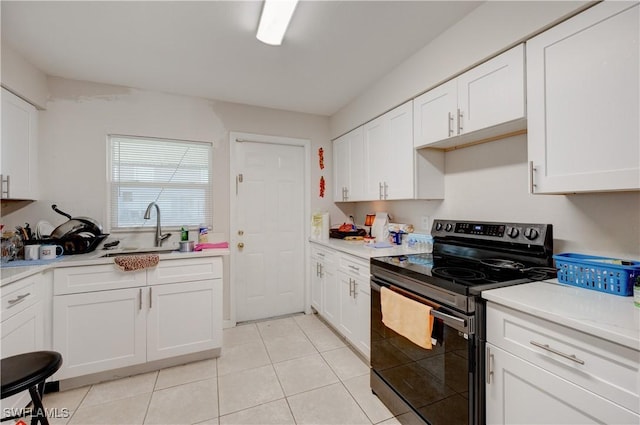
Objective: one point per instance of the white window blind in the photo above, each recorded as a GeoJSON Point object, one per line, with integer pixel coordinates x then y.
{"type": "Point", "coordinates": [174, 174]}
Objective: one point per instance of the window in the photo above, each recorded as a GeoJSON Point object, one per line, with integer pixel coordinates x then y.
{"type": "Point", "coordinates": [174, 174]}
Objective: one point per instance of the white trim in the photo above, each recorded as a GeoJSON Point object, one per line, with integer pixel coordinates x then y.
{"type": "Point", "coordinates": [237, 137]}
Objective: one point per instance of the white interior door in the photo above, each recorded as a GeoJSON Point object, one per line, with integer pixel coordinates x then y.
{"type": "Point", "coordinates": [269, 231]}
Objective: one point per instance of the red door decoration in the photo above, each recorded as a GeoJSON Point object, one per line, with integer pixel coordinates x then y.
{"type": "Point", "coordinates": [321, 158]}
{"type": "Point", "coordinates": [322, 186]}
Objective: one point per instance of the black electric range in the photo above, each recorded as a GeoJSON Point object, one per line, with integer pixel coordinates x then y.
{"type": "Point", "coordinates": [445, 384]}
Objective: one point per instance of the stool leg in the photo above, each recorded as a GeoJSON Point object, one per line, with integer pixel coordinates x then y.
{"type": "Point", "coordinates": [40, 414]}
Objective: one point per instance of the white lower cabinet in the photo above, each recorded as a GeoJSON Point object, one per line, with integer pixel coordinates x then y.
{"type": "Point", "coordinates": [98, 331]}
{"type": "Point", "coordinates": [520, 392]}
{"type": "Point", "coordinates": [102, 330]}
{"type": "Point", "coordinates": [322, 268]}
{"type": "Point", "coordinates": [183, 318]}
{"type": "Point", "coordinates": [539, 372]}
{"type": "Point", "coordinates": [343, 282]}
{"type": "Point", "coordinates": [355, 300]}
{"type": "Point", "coordinates": [23, 329]}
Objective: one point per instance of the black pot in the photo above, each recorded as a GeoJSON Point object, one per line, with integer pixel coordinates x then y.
{"type": "Point", "coordinates": [75, 225]}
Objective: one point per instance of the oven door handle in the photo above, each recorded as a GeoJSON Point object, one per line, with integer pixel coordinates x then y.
{"type": "Point", "coordinates": [454, 322]}
{"type": "Point", "coordinates": [462, 325]}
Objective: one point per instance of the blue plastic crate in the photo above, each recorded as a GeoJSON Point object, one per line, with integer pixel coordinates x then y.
{"type": "Point", "coordinates": [597, 273]}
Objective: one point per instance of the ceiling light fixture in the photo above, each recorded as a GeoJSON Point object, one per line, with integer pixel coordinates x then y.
{"type": "Point", "coordinates": [274, 20]}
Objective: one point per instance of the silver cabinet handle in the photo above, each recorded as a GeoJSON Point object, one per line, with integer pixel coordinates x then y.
{"type": "Point", "coordinates": [488, 365]}
{"type": "Point", "coordinates": [450, 119]}
{"type": "Point", "coordinates": [532, 184]}
{"type": "Point", "coordinates": [5, 179]}
{"type": "Point", "coordinates": [317, 269]}
{"type": "Point", "coordinates": [321, 271]}
{"type": "Point", "coordinates": [17, 300]}
{"type": "Point", "coordinates": [546, 347]}
{"type": "Point", "coordinates": [140, 300]}
{"type": "Point", "coordinates": [460, 127]}
{"type": "Point", "coordinates": [386, 194]}
{"type": "Point", "coordinates": [380, 191]}
{"type": "Point", "coordinates": [351, 287]}
{"type": "Point", "coordinates": [354, 268]}
{"type": "Point", "coordinates": [355, 286]}
{"type": "Point", "coordinates": [150, 298]}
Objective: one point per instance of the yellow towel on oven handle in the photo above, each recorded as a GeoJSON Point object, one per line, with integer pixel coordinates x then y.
{"type": "Point", "coordinates": [407, 317]}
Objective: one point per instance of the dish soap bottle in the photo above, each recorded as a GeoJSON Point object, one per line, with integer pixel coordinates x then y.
{"type": "Point", "coordinates": [636, 292]}
{"type": "Point", "coordinates": [203, 234]}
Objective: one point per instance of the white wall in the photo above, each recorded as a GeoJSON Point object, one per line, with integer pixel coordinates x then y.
{"type": "Point", "coordinates": [79, 116]}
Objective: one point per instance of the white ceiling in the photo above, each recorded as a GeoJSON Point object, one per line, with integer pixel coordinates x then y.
{"type": "Point", "coordinates": [332, 52]}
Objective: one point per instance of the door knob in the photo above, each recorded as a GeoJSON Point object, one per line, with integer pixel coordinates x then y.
{"type": "Point", "coordinates": [240, 245]}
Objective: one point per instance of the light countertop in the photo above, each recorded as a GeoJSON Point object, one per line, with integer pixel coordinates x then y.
{"type": "Point", "coordinates": [11, 274]}
{"type": "Point", "coordinates": [359, 249]}
{"type": "Point", "coordinates": [610, 317]}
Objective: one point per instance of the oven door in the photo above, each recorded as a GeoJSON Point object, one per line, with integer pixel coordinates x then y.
{"type": "Point", "coordinates": [436, 385]}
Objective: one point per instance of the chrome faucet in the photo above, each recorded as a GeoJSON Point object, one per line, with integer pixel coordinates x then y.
{"type": "Point", "coordinates": [147, 215]}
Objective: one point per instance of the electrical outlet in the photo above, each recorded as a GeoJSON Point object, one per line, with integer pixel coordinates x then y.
{"type": "Point", "coordinates": [425, 222]}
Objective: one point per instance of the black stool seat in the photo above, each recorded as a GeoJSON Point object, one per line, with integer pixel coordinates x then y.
{"type": "Point", "coordinates": [28, 371]}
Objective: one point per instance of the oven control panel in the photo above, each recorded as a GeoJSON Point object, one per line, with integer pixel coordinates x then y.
{"type": "Point", "coordinates": [529, 233]}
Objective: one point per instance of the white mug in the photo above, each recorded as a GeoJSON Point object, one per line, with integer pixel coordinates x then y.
{"type": "Point", "coordinates": [49, 252]}
{"type": "Point", "coordinates": [31, 252]}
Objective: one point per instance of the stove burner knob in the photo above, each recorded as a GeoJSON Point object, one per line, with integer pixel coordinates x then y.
{"type": "Point", "coordinates": [531, 233]}
{"type": "Point", "coordinates": [448, 227]}
{"type": "Point", "coordinates": [513, 232]}
{"type": "Point", "coordinates": [438, 226]}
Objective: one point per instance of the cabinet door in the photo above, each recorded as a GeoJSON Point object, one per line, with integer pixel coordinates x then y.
{"type": "Point", "coordinates": [348, 323]}
{"type": "Point", "coordinates": [519, 392]}
{"type": "Point", "coordinates": [22, 333]}
{"type": "Point", "coordinates": [399, 168]}
{"type": "Point", "coordinates": [434, 114]}
{"type": "Point", "coordinates": [99, 331]}
{"type": "Point", "coordinates": [341, 168]}
{"type": "Point", "coordinates": [330, 294]}
{"type": "Point", "coordinates": [376, 140]}
{"type": "Point", "coordinates": [492, 93]}
{"type": "Point", "coordinates": [582, 102]}
{"type": "Point", "coordinates": [316, 284]}
{"type": "Point", "coordinates": [184, 318]}
{"type": "Point", "coordinates": [356, 167]}
{"type": "Point", "coordinates": [19, 147]}
{"type": "Point", "coordinates": [363, 299]}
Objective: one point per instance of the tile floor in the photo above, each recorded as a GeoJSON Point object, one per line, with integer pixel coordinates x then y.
{"type": "Point", "coordinates": [293, 370]}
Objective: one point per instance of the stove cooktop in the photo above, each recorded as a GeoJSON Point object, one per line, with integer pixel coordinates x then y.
{"type": "Point", "coordinates": [465, 276]}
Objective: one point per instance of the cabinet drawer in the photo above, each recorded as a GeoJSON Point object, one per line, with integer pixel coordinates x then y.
{"type": "Point", "coordinates": [18, 296]}
{"type": "Point", "coordinates": [354, 266]}
{"type": "Point", "coordinates": [322, 253]}
{"type": "Point", "coordinates": [186, 270]}
{"type": "Point", "coordinates": [72, 280]}
{"type": "Point", "coordinates": [600, 366]}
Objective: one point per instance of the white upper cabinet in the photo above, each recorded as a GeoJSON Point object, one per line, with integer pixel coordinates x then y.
{"type": "Point", "coordinates": [19, 148]}
{"type": "Point", "coordinates": [582, 99]}
{"type": "Point", "coordinates": [389, 155]}
{"type": "Point", "coordinates": [484, 102]}
{"type": "Point", "coordinates": [348, 168]}
{"type": "Point", "coordinates": [435, 114]}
